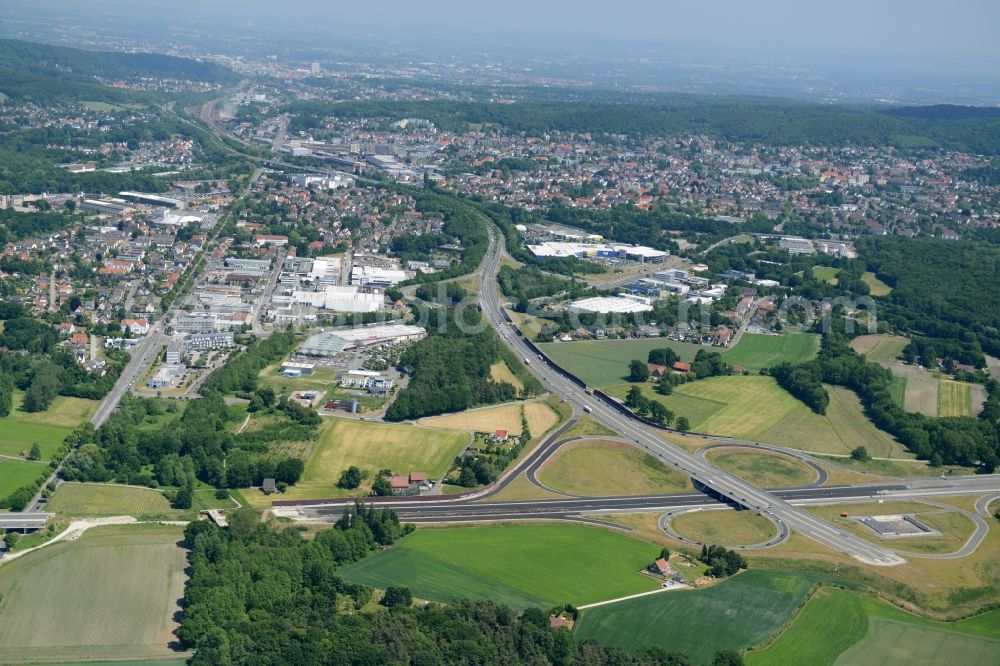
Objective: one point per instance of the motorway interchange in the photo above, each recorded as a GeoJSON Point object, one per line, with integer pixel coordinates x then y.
{"type": "Point", "coordinates": [783, 507]}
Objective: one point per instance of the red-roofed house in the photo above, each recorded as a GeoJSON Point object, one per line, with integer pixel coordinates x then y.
{"type": "Point", "coordinates": [656, 370]}
{"type": "Point", "coordinates": [681, 366]}
{"type": "Point", "coordinates": [399, 482]}
{"type": "Point", "coordinates": [499, 436]}
{"type": "Point", "coordinates": [660, 566]}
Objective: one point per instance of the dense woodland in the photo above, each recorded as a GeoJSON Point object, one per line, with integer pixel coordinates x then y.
{"type": "Point", "coordinates": [776, 122]}
{"type": "Point", "coordinates": [450, 370]}
{"type": "Point", "coordinates": [261, 596]}
{"type": "Point", "coordinates": [941, 289]}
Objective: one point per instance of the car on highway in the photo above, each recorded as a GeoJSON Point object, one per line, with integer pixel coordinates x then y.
{"type": "Point", "coordinates": [587, 409]}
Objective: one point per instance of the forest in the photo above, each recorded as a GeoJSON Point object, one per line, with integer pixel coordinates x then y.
{"type": "Point", "coordinates": [264, 596]}
{"type": "Point", "coordinates": [450, 368]}
{"type": "Point", "coordinates": [941, 289]}
{"type": "Point", "coordinates": [743, 119]}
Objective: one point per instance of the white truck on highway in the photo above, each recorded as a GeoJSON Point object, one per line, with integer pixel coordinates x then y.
{"type": "Point", "coordinates": [587, 409]}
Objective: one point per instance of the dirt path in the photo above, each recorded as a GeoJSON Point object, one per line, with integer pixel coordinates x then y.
{"type": "Point", "coordinates": [76, 529]}
{"type": "Point", "coordinates": [675, 586]}
{"type": "Point", "coordinates": [244, 424]}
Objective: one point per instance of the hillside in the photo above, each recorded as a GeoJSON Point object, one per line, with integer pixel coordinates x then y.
{"type": "Point", "coordinates": [44, 73]}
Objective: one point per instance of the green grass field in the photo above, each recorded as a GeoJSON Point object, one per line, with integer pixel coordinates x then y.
{"type": "Point", "coordinates": [737, 613]}
{"type": "Point", "coordinates": [598, 468]}
{"type": "Point", "coordinates": [830, 622]}
{"type": "Point", "coordinates": [756, 408]}
{"type": "Point", "coordinates": [371, 447]}
{"type": "Point", "coordinates": [17, 473]}
{"type": "Point", "coordinates": [85, 499]}
{"type": "Point", "coordinates": [111, 594]}
{"type": "Point", "coordinates": [605, 362]}
{"type": "Point", "coordinates": [880, 348]}
{"type": "Point", "coordinates": [20, 430]}
{"type": "Point", "coordinates": [876, 286]}
{"type": "Point", "coordinates": [826, 273]}
{"type": "Point", "coordinates": [954, 398]}
{"type": "Point", "coordinates": [765, 470]}
{"type": "Point", "coordinates": [517, 565]}
{"type": "Point", "coordinates": [754, 352]}
{"type": "Point", "coordinates": [842, 627]}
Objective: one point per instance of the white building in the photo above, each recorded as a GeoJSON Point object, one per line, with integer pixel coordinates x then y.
{"type": "Point", "coordinates": [371, 276]}
{"type": "Point", "coordinates": [333, 297]}
{"type": "Point", "coordinates": [625, 304]}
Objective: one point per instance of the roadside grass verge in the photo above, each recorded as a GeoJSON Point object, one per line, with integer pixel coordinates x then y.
{"type": "Point", "coordinates": [765, 470]}
{"type": "Point", "coordinates": [593, 467]}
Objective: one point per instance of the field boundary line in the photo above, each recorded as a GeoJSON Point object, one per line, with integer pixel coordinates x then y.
{"type": "Point", "coordinates": [678, 586]}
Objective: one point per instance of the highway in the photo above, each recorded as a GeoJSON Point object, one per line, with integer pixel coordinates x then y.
{"type": "Point", "coordinates": [703, 472]}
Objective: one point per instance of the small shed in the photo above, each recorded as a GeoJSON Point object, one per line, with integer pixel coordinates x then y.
{"type": "Point", "coordinates": [268, 486]}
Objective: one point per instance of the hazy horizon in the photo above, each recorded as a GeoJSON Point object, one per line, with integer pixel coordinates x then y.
{"type": "Point", "coordinates": [897, 50]}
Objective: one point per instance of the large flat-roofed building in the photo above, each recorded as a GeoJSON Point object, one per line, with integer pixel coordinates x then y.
{"type": "Point", "coordinates": [611, 304]}
{"type": "Point", "coordinates": [333, 297]}
{"type": "Point", "coordinates": [166, 377]}
{"type": "Point", "coordinates": [151, 199]}
{"type": "Point", "coordinates": [371, 276]}
{"type": "Point", "coordinates": [638, 253]}
{"type": "Point", "coordinates": [107, 206]}
{"type": "Point", "coordinates": [203, 341]}
{"type": "Point", "coordinates": [209, 322]}
{"type": "Point", "coordinates": [797, 246]}
{"type": "Point", "coordinates": [261, 266]}
{"type": "Point", "coordinates": [331, 343]}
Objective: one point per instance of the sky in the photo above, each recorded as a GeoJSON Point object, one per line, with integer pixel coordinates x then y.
{"type": "Point", "coordinates": [953, 28]}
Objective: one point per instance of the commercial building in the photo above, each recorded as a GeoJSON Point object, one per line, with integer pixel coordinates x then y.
{"type": "Point", "coordinates": [167, 376]}
{"type": "Point", "coordinates": [207, 341]}
{"type": "Point", "coordinates": [296, 369]}
{"type": "Point", "coordinates": [362, 379]}
{"type": "Point", "coordinates": [638, 253]}
{"type": "Point", "coordinates": [625, 304]}
{"type": "Point", "coordinates": [371, 276]}
{"type": "Point", "coordinates": [107, 206]}
{"type": "Point", "coordinates": [331, 343]}
{"type": "Point", "coordinates": [797, 246]}
{"type": "Point", "coordinates": [261, 266]}
{"type": "Point", "coordinates": [175, 348]}
{"type": "Point", "coordinates": [152, 199]}
{"type": "Point", "coordinates": [332, 297]}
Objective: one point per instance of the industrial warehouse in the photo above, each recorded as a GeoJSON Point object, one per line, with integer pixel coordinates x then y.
{"type": "Point", "coordinates": [338, 341]}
